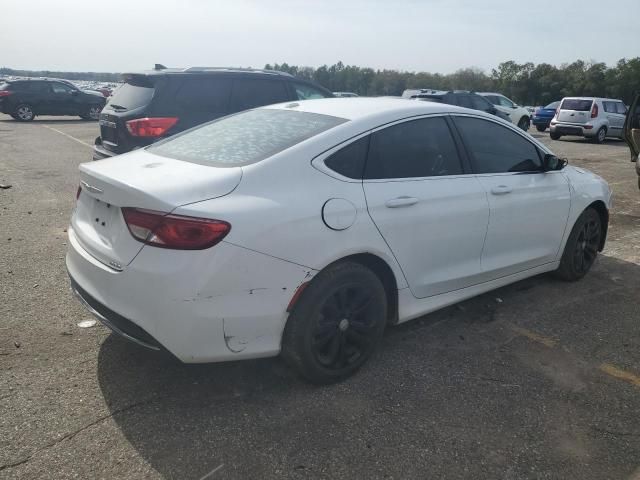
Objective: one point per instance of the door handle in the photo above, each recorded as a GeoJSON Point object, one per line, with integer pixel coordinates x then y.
{"type": "Point", "coordinates": [501, 190]}
{"type": "Point", "coordinates": [401, 202]}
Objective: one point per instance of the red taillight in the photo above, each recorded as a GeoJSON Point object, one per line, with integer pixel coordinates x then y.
{"type": "Point", "coordinates": [594, 110]}
{"type": "Point", "coordinates": [78, 192]}
{"type": "Point", "coordinates": [150, 127]}
{"type": "Point", "coordinates": [174, 231]}
{"type": "Point", "coordinates": [5, 93]}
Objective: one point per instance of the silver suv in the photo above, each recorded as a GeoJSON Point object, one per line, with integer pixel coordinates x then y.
{"type": "Point", "coordinates": [589, 117]}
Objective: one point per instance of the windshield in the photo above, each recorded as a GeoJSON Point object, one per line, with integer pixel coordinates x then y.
{"type": "Point", "coordinates": [577, 104]}
{"type": "Point", "coordinates": [246, 137]}
{"type": "Point", "coordinates": [128, 97]}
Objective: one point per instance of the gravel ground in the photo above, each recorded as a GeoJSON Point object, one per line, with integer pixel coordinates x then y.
{"type": "Point", "coordinates": [540, 379]}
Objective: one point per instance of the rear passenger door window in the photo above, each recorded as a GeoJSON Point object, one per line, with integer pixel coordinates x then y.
{"type": "Point", "coordinates": [413, 149]}
{"type": "Point", "coordinates": [610, 107]}
{"type": "Point", "coordinates": [349, 161]}
{"type": "Point", "coordinates": [254, 92]}
{"type": "Point", "coordinates": [620, 108]}
{"type": "Point", "coordinates": [497, 149]}
{"type": "Point", "coordinates": [204, 95]}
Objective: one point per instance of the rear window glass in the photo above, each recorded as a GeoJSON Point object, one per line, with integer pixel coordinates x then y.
{"type": "Point", "coordinates": [576, 104]}
{"type": "Point", "coordinates": [553, 105]}
{"type": "Point", "coordinates": [128, 97]}
{"type": "Point", "coordinates": [245, 138]}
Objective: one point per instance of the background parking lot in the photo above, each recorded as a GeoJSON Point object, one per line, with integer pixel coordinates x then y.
{"type": "Point", "coordinates": [540, 379]}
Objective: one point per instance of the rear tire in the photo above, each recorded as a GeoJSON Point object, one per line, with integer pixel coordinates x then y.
{"type": "Point", "coordinates": [91, 113]}
{"type": "Point", "coordinates": [554, 136]}
{"type": "Point", "coordinates": [581, 249]}
{"type": "Point", "coordinates": [541, 128]}
{"type": "Point", "coordinates": [336, 324]}
{"type": "Point", "coordinates": [524, 123]}
{"type": "Point", "coordinates": [24, 113]}
{"type": "Point", "coordinates": [601, 135]}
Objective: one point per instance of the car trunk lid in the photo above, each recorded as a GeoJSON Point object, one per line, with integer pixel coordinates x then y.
{"type": "Point", "coordinates": [141, 180]}
{"type": "Point", "coordinates": [575, 110]}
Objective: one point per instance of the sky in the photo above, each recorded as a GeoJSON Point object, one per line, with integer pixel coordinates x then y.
{"type": "Point", "coordinates": [414, 35]}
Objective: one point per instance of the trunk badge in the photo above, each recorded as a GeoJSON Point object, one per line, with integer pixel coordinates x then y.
{"type": "Point", "coordinates": [91, 188]}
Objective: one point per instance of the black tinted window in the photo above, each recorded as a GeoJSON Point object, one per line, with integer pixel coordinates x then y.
{"type": "Point", "coordinates": [464, 101]}
{"type": "Point", "coordinates": [497, 149]}
{"type": "Point", "coordinates": [204, 94]}
{"type": "Point", "coordinates": [480, 103]}
{"type": "Point", "coordinates": [58, 87]}
{"type": "Point", "coordinates": [418, 148]}
{"type": "Point", "coordinates": [576, 104]}
{"type": "Point", "coordinates": [128, 97]}
{"type": "Point", "coordinates": [254, 92]}
{"type": "Point", "coordinates": [349, 161]}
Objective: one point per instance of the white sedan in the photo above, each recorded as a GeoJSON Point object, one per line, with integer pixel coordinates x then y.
{"type": "Point", "coordinates": [307, 228]}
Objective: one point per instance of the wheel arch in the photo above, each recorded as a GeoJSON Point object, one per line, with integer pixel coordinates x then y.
{"type": "Point", "coordinates": [382, 270]}
{"type": "Point", "coordinates": [603, 212]}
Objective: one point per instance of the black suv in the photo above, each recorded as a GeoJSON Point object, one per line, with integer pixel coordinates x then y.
{"type": "Point", "coordinates": [162, 102]}
{"type": "Point", "coordinates": [24, 99]}
{"type": "Point", "coordinates": [461, 98]}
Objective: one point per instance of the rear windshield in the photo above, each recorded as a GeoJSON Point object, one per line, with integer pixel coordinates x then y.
{"type": "Point", "coordinates": [245, 138]}
{"type": "Point", "coordinates": [553, 105]}
{"type": "Point", "coordinates": [128, 97]}
{"type": "Point", "coordinates": [576, 104]}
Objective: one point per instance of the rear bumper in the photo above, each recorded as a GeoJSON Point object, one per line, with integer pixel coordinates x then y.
{"type": "Point", "coordinates": [117, 323]}
{"type": "Point", "coordinates": [219, 304]}
{"type": "Point", "coordinates": [572, 129]}
{"type": "Point", "coordinates": [99, 152]}
{"type": "Point", "coordinates": [541, 121]}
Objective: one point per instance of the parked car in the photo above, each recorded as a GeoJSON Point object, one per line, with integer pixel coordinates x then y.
{"type": "Point", "coordinates": [543, 115]}
{"type": "Point", "coordinates": [589, 117]}
{"type": "Point", "coordinates": [155, 104]}
{"type": "Point", "coordinates": [632, 133]}
{"type": "Point", "coordinates": [518, 115]}
{"type": "Point", "coordinates": [24, 99]}
{"type": "Point", "coordinates": [461, 98]}
{"type": "Point", "coordinates": [345, 94]}
{"type": "Point", "coordinates": [307, 228]}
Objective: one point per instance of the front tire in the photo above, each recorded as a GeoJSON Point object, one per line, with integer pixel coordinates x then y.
{"type": "Point", "coordinates": [336, 324]}
{"type": "Point", "coordinates": [24, 113]}
{"type": "Point", "coordinates": [554, 136]}
{"type": "Point", "coordinates": [524, 123]}
{"type": "Point", "coordinates": [541, 128]}
{"type": "Point", "coordinates": [581, 249]}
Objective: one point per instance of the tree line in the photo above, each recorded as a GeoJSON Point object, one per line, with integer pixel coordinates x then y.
{"type": "Point", "coordinates": [525, 83]}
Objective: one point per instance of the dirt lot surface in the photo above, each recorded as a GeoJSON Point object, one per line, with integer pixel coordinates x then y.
{"type": "Point", "coordinates": [540, 379]}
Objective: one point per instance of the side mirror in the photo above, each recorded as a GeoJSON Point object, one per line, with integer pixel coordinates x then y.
{"type": "Point", "coordinates": [551, 163]}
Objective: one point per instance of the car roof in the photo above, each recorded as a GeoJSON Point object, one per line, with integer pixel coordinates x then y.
{"type": "Point", "coordinates": [593, 98]}
{"type": "Point", "coordinates": [160, 70]}
{"type": "Point", "coordinates": [491, 93]}
{"type": "Point", "coordinates": [378, 109]}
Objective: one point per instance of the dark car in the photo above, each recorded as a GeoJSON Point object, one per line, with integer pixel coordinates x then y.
{"type": "Point", "coordinates": [543, 115]}
{"type": "Point", "coordinates": [632, 133]}
{"type": "Point", "coordinates": [24, 99]}
{"type": "Point", "coordinates": [156, 104]}
{"type": "Point", "coordinates": [461, 98]}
